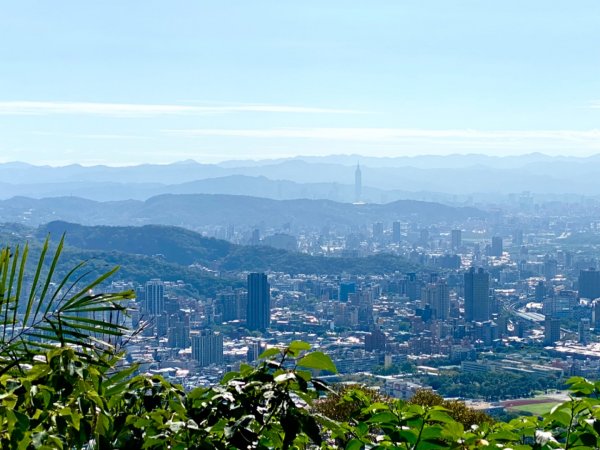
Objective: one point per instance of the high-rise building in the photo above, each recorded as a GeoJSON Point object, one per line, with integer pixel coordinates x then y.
{"type": "Point", "coordinates": [497, 246]}
{"type": "Point", "coordinates": [362, 301]}
{"type": "Point", "coordinates": [584, 331]}
{"type": "Point", "coordinates": [179, 331]}
{"type": "Point", "coordinates": [230, 232]}
{"type": "Point", "coordinates": [375, 341]}
{"type": "Point", "coordinates": [255, 238]}
{"type": "Point", "coordinates": [550, 268]}
{"type": "Point", "coordinates": [436, 295]}
{"type": "Point", "coordinates": [456, 236]}
{"type": "Point", "coordinates": [589, 284]}
{"type": "Point", "coordinates": [259, 302]}
{"type": "Point", "coordinates": [551, 330]}
{"type": "Point", "coordinates": [155, 297]}
{"type": "Point", "coordinates": [255, 349]}
{"type": "Point", "coordinates": [597, 316]}
{"type": "Point", "coordinates": [357, 184]}
{"type": "Point", "coordinates": [378, 231]}
{"type": "Point", "coordinates": [478, 305]}
{"type": "Point", "coordinates": [227, 305]}
{"type": "Point", "coordinates": [396, 232]}
{"type": "Point", "coordinates": [517, 237]}
{"type": "Point", "coordinates": [540, 292]}
{"type": "Point", "coordinates": [207, 348]}
{"type": "Point", "coordinates": [346, 287]}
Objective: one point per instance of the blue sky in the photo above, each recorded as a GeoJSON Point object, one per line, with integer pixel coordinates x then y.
{"type": "Point", "coordinates": [123, 82]}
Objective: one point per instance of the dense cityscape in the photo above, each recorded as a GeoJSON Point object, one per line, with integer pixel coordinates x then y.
{"type": "Point", "coordinates": [512, 297]}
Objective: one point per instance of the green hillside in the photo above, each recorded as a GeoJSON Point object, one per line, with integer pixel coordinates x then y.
{"type": "Point", "coordinates": [185, 247]}
{"type": "Point", "coordinates": [156, 251]}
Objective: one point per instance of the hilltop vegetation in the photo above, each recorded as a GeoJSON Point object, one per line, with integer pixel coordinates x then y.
{"type": "Point", "coordinates": [63, 401]}
{"type": "Point", "coordinates": [184, 247]}
{"type": "Point", "coordinates": [156, 251]}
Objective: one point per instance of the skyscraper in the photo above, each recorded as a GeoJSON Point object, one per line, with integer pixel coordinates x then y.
{"type": "Point", "coordinates": [357, 184]}
{"type": "Point", "coordinates": [396, 232]}
{"type": "Point", "coordinates": [497, 246]}
{"type": "Point", "coordinates": [378, 231]}
{"type": "Point", "coordinates": [255, 238]}
{"type": "Point", "coordinates": [375, 341]}
{"type": "Point", "coordinates": [207, 348]}
{"type": "Point", "coordinates": [540, 292]}
{"type": "Point", "coordinates": [436, 295]}
{"type": "Point", "coordinates": [589, 284]}
{"type": "Point", "coordinates": [518, 237]}
{"type": "Point", "coordinates": [477, 295]}
{"type": "Point", "coordinates": [346, 287]}
{"type": "Point", "coordinates": [584, 331]}
{"type": "Point", "coordinates": [551, 330]}
{"type": "Point", "coordinates": [155, 297]}
{"type": "Point", "coordinates": [597, 316]}
{"type": "Point", "coordinates": [259, 302]}
{"type": "Point", "coordinates": [456, 239]}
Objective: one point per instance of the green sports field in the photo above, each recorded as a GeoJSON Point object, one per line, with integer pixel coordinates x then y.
{"type": "Point", "coordinates": [536, 409]}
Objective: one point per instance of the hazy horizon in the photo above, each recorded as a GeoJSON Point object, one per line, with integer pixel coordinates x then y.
{"type": "Point", "coordinates": [358, 158]}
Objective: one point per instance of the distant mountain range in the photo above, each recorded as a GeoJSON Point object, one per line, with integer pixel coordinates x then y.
{"type": "Point", "coordinates": [232, 184]}
{"type": "Point", "coordinates": [439, 178]}
{"type": "Point", "coordinates": [195, 211]}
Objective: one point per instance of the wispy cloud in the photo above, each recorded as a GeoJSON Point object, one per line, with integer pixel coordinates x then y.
{"type": "Point", "coordinates": [150, 110]}
{"type": "Point", "coordinates": [90, 136]}
{"type": "Point", "coordinates": [392, 134]}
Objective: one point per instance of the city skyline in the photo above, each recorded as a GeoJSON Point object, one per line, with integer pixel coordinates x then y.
{"type": "Point", "coordinates": [222, 221]}
{"type": "Point", "coordinates": [115, 84]}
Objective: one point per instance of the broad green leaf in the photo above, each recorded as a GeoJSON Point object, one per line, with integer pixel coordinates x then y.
{"type": "Point", "coordinates": [296, 347]}
{"type": "Point", "coordinates": [439, 416]}
{"type": "Point", "coordinates": [385, 417]}
{"type": "Point", "coordinates": [355, 444]}
{"type": "Point", "coordinates": [317, 361]}
{"type": "Point", "coordinates": [270, 352]}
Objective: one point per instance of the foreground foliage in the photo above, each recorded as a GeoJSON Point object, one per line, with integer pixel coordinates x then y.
{"type": "Point", "coordinates": [455, 409]}
{"type": "Point", "coordinates": [38, 313]}
{"type": "Point", "coordinates": [62, 401]}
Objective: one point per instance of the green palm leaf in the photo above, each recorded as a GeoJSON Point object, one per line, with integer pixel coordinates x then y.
{"type": "Point", "coordinates": [47, 314]}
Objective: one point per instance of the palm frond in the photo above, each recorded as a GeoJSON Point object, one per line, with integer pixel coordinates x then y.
{"type": "Point", "coordinates": [47, 314]}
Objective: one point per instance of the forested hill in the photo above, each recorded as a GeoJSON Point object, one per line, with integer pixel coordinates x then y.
{"type": "Point", "coordinates": [177, 245]}
{"type": "Point", "coordinates": [172, 253]}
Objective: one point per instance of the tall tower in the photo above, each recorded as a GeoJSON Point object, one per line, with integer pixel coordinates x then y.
{"type": "Point", "coordinates": [456, 239]}
{"type": "Point", "coordinates": [436, 295]}
{"type": "Point", "coordinates": [155, 297]}
{"type": "Point", "coordinates": [551, 330]}
{"type": "Point", "coordinates": [259, 302]}
{"type": "Point", "coordinates": [207, 348]}
{"type": "Point", "coordinates": [497, 246]}
{"type": "Point", "coordinates": [589, 283]}
{"type": "Point", "coordinates": [477, 295]}
{"type": "Point", "coordinates": [397, 232]}
{"type": "Point", "coordinates": [357, 184]}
